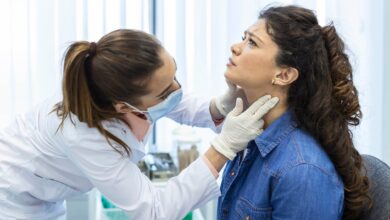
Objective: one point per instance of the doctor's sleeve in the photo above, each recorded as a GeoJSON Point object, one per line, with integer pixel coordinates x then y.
{"type": "Point", "coordinates": [121, 181]}
{"type": "Point", "coordinates": [194, 111]}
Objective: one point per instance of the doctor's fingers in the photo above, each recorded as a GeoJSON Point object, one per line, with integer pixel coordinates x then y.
{"type": "Point", "coordinates": [252, 109]}
{"type": "Point", "coordinates": [256, 125]}
{"type": "Point", "coordinates": [255, 132]}
{"type": "Point", "coordinates": [264, 109]}
{"type": "Point", "coordinates": [259, 132]}
{"type": "Point", "coordinates": [238, 108]}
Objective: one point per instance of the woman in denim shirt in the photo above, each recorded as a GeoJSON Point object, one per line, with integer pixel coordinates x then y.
{"type": "Point", "coordinates": [304, 165]}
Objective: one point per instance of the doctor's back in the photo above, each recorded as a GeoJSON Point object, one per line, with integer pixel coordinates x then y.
{"type": "Point", "coordinates": [36, 159]}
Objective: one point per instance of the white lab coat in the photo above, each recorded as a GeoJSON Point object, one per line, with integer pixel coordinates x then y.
{"type": "Point", "coordinates": [39, 168]}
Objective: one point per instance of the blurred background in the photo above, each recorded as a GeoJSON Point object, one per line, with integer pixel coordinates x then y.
{"type": "Point", "coordinates": [198, 33]}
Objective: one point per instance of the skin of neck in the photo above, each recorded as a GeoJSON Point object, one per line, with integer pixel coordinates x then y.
{"type": "Point", "coordinates": [277, 111]}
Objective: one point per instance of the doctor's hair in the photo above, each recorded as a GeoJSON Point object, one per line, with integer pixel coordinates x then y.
{"type": "Point", "coordinates": [99, 75]}
{"type": "Point", "coordinates": [324, 98]}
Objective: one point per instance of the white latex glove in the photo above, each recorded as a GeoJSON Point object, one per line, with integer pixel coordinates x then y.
{"type": "Point", "coordinates": [226, 102]}
{"type": "Point", "coordinates": [241, 127]}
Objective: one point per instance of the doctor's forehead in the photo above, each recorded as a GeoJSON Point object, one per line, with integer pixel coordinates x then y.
{"type": "Point", "coordinates": [164, 75]}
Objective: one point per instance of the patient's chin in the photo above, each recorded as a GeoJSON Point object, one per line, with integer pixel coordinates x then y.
{"type": "Point", "coordinates": [227, 74]}
{"type": "Point", "coordinates": [232, 78]}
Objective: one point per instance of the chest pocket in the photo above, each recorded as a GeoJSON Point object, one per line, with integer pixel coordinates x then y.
{"type": "Point", "coordinates": [245, 210]}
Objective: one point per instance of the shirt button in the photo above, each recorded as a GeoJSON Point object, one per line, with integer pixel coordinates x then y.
{"type": "Point", "coordinates": [225, 211]}
{"type": "Point", "coordinates": [232, 173]}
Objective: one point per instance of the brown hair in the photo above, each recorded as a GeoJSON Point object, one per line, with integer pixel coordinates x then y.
{"type": "Point", "coordinates": [97, 75]}
{"type": "Point", "coordinates": [324, 98]}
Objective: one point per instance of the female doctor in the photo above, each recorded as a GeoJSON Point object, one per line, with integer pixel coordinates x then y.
{"type": "Point", "coordinates": [93, 135]}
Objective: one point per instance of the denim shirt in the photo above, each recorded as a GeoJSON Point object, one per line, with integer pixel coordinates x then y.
{"type": "Point", "coordinates": [284, 175]}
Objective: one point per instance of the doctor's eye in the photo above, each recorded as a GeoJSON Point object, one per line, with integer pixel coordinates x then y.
{"type": "Point", "coordinates": [165, 96]}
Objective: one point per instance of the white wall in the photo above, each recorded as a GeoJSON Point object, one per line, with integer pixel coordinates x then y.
{"type": "Point", "coordinates": [35, 34]}
{"type": "Point", "coordinates": [386, 84]}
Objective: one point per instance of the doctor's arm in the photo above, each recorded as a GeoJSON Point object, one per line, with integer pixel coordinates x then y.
{"type": "Point", "coordinates": [121, 181]}
{"type": "Point", "coordinates": [193, 111]}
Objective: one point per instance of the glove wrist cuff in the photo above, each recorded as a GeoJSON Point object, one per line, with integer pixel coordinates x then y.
{"type": "Point", "coordinates": [223, 149]}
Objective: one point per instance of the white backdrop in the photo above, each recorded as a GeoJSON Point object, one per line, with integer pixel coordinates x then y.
{"type": "Point", "coordinates": [198, 33]}
{"type": "Point", "coordinates": [35, 33]}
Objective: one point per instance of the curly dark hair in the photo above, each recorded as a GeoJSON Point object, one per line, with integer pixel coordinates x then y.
{"type": "Point", "coordinates": [324, 98]}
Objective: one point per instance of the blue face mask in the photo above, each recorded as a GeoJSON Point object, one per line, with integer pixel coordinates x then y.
{"type": "Point", "coordinates": [161, 109]}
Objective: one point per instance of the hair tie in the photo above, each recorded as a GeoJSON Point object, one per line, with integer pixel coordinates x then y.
{"type": "Point", "coordinates": [92, 49]}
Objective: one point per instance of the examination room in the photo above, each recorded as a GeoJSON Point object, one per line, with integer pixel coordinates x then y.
{"type": "Point", "coordinates": [194, 110]}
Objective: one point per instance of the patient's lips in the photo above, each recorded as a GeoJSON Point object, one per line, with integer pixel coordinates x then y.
{"type": "Point", "coordinates": [230, 63]}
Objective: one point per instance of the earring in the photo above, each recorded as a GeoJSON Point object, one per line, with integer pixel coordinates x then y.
{"type": "Point", "coordinates": [273, 82]}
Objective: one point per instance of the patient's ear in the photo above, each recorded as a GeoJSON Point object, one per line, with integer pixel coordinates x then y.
{"type": "Point", "coordinates": [286, 76]}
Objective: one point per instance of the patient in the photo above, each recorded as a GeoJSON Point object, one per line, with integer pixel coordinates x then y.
{"type": "Point", "coordinates": [304, 165]}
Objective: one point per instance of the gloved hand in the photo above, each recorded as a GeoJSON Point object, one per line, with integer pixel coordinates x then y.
{"type": "Point", "coordinates": [241, 127]}
{"type": "Point", "coordinates": [226, 102]}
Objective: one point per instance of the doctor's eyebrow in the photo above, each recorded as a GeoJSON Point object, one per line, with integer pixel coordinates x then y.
{"type": "Point", "coordinates": [167, 89]}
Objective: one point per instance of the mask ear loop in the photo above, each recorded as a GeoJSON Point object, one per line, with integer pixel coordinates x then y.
{"type": "Point", "coordinates": [137, 112]}
{"type": "Point", "coordinates": [135, 109]}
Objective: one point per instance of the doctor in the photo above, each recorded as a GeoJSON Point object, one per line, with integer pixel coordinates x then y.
{"type": "Point", "coordinates": [93, 135]}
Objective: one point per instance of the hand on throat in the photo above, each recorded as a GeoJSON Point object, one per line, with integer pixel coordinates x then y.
{"type": "Point", "coordinates": [274, 113]}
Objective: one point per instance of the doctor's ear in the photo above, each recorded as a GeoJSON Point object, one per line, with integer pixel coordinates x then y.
{"type": "Point", "coordinates": [121, 107]}
{"type": "Point", "coordinates": [286, 76]}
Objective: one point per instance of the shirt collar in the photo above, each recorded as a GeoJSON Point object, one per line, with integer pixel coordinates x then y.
{"type": "Point", "coordinates": [275, 133]}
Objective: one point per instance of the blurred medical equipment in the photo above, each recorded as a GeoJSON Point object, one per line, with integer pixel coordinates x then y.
{"type": "Point", "coordinates": [186, 140]}
{"type": "Point", "coordinates": [158, 166]}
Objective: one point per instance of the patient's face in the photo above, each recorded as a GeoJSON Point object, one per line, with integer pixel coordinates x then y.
{"type": "Point", "coordinates": [252, 64]}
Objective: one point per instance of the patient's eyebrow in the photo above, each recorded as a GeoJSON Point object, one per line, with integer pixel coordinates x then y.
{"type": "Point", "coordinates": [253, 35]}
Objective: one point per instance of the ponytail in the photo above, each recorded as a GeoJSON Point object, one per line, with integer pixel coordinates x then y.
{"type": "Point", "coordinates": [77, 96]}
{"type": "Point", "coordinates": [346, 104]}
{"type": "Point", "coordinates": [341, 73]}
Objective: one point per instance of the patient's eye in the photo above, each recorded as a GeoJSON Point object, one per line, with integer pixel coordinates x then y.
{"type": "Point", "coordinates": [252, 42]}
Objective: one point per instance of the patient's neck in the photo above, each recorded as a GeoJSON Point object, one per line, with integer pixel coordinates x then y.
{"type": "Point", "coordinates": [274, 113]}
